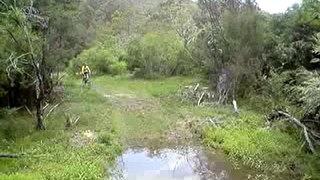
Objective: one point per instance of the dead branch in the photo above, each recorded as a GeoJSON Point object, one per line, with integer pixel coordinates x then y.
{"type": "Point", "coordinates": [214, 122]}
{"type": "Point", "coordinates": [197, 94]}
{"type": "Point", "coordinates": [201, 99]}
{"type": "Point", "coordinates": [76, 120]}
{"type": "Point", "coordinates": [310, 136]}
{"type": "Point", "coordinates": [28, 110]}
{"type": "Point", "coordinates": [9, 156]}
{"type": "Point", "coordinates": [306, 135]}
{"type": "Point", "coordinates": [196, 88]}
{"type": "Point", "coordinates": [45, 107]}
{"type": "Point", "coordinates": [314, 134]}
{"type": "Point", "coordinates": [235, 106]}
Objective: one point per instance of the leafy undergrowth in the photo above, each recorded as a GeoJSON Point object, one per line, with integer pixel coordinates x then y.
{"type": "Point", "coordinates": [119, 108]}
{"type": "Point", "coordinates": [58, 153]}
{"type": "Point", "coordinates": [246, 140]}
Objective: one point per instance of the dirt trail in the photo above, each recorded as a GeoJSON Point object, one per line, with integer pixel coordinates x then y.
{"type": "Point", "coordinates": [128, 101]}
{"type": "Point", "coordinates": [179, 131]}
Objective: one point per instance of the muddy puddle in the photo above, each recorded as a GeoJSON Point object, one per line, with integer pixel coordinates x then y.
{"type": "Point", "coordinates": [180, 163]}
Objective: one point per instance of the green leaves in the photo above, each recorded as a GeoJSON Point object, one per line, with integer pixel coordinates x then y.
{"type": "Point", "coordinates": [156, 54]}
{"type": "Point", "coordinates": [103, 58]}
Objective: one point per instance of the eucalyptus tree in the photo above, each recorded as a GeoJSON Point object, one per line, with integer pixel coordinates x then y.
{"type": "Point", "coordinates": [24, 28]}
{"type": "Point", "coordinates": [233, 36]}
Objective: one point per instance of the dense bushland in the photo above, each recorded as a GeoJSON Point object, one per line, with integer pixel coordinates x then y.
{"type": "Point", "coordinates": [264, 61]}
{"type": "Point", "coordinates": [157, 54]}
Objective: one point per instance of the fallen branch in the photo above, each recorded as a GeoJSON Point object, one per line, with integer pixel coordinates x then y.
{"type": "Point", "coordinates": [311, 147]}
{"type": "Point", "coordinates": [197, 94]}
{"type": "Point", "coordinates": [235, 106]}
{"type": "Point", "coordinates": [16, 156]}
{"type": "Point", "coordinates": [200, 99]}
{"type": "Point", "coordinates": [28, 110]}
{"type": "Point", "coordinates": [196, 88]}
{"type": "Point", "coordinates": [215, 122]}
{"type": "Point", "coordinates": [308, 134]}
{"type": "Point", "coordinates": [314, 134]}
{"type": "Point", "coordinates": [76, 120]}
{"type": "Point", "coordinates": [10, 156]}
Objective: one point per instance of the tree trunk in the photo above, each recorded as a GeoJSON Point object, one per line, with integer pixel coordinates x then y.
{"type": "Point", "coordinates": [40, 120]}
{"type": "Point", "coordinates": [39, 87]}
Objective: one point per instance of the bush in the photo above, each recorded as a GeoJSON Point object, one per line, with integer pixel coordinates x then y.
{"type": "Point", "coordinates": [104, 58]}
{"type": "Point", "coordinates": [156, 54]}
{"type": "Point", "coordinates": [118, 68]}
{"type": "Point", "coordinates": [6, 112]}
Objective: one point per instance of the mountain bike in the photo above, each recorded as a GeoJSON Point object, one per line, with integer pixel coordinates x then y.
{"type": "Point", "coordinates": [86, 80]}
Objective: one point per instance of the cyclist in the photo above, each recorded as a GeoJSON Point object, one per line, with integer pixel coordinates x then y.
{"type": "Point", "coordinates": [85, 72]}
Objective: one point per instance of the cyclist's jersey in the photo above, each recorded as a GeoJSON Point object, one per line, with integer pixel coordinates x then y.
{"type": "Point", "coordinates": [85, 69]}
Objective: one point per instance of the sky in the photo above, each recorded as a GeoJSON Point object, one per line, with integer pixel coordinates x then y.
{"type": "Point", "coordinates": [276, 6]}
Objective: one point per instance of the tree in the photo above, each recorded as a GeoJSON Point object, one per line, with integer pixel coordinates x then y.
{"type": "Point", "coordinates": [155, 54]}
{"type": "Point", "coordinates": [290, 39]}
{"type": "Point", "coordinates": [179, 15]}
{"type": "Point", "coordinates": [234, 37]}
{"type": "Point", "coordinates": [26, 29]}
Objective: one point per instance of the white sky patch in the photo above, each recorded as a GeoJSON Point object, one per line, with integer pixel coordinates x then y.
{"type": "Point", "coordinates": [276, 6]}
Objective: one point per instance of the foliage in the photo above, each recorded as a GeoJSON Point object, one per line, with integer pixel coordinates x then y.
{"type": "Point", "coordinates": [300, 88]}
{"type": "Point", "coordinates": [156, 54]}
{"type": "Point", "coordinates": [118, 68]}
{"type": "Point", "coordinates": [246, 141]}
{"type": "Point", "coordinates": [19, 41]}
{"type": "Point", "coordinates": [104, 58]}
{"type": "Point", "coordinates": [57, 153]}
{"type": "Point", "coordinates": [291, 36]}
{"type": "Point", "coordinates": [233, 38]}
{"type": "Point", "coordinates": [265, 60]}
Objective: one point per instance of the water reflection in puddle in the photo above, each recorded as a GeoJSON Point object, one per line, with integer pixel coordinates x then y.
{"type": "Point", "coordinates": [168, 164]}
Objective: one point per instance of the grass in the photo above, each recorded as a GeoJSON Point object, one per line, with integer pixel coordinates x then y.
{"type": "Point", "coordinates": [151, 112]}
{"type": "Point", "coordinates": [143, 88]}
{"type": "Point", "coordinates": [51, 154]}
{"type": "Point", "coordinates": [123, 111]}
{"type": "Point", "coordinates": [274, 152]}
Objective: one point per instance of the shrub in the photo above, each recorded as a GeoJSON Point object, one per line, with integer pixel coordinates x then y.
{"type": "Point", "coordinates": [118, 68]}
{"type": "Point", "coordinates": [156, 54]}
{"type": "Point", "coordinates": [104, 58]}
